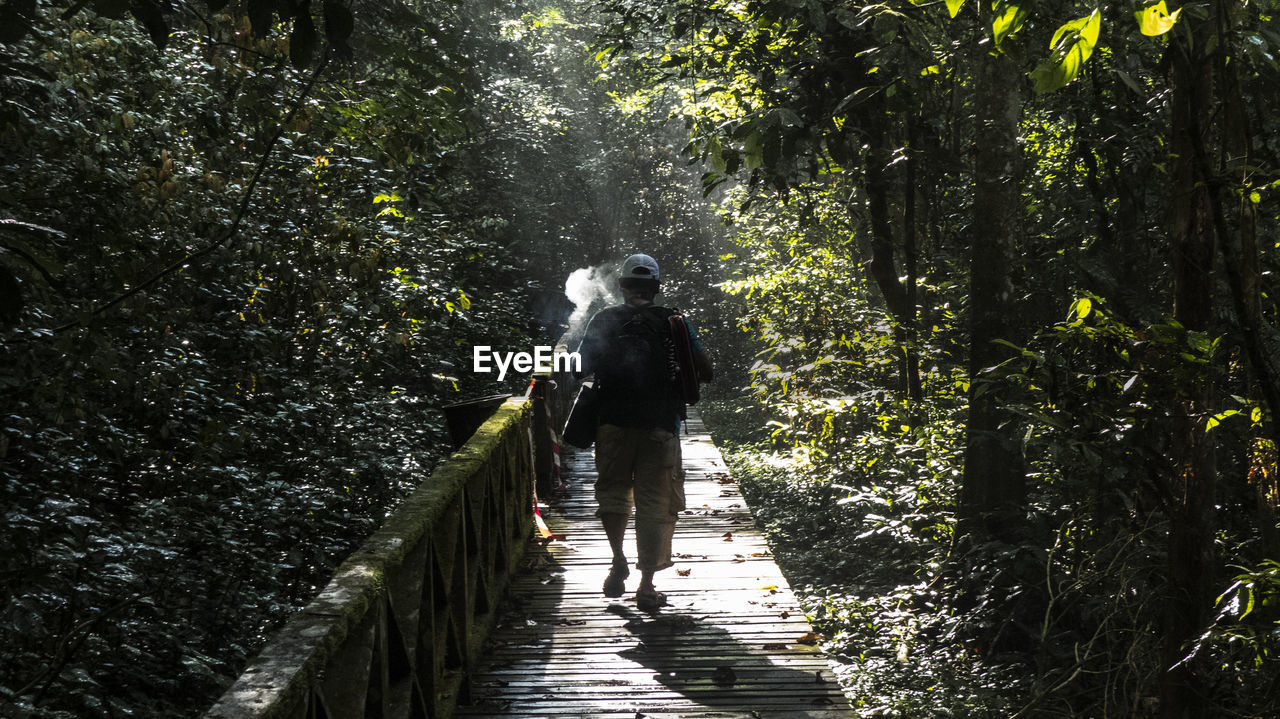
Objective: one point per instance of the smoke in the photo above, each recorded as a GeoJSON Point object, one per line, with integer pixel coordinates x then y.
{"type": "Point", "coordinates": [587, 288]}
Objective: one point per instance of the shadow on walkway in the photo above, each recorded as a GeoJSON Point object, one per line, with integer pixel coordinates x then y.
{"type": "Point", "coordinates": [710, 666]}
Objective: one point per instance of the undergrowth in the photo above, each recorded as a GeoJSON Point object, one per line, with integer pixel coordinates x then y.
{"type": "Point", "coordinates": [1060, 619]}
{"type": "Point", "coordinates": [866, 557]}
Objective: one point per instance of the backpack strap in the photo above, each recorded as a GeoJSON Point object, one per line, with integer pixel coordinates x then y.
{"type": "Point", "coordinates": [650, 318]}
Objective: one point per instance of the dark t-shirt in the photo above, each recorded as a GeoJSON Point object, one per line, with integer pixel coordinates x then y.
{"type": "Point", "coordinates": [660, 406]}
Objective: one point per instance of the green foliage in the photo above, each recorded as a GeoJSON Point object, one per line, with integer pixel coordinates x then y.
{"type": "Point", "coordinates": [250, 275]}
{"type": "Point", "coordinates": [230, 356]}
{"type": "Point", "coordinates": [863, 534]}
{"type": "Point", "coordinates": [1009, 20]}
{"type": "Point", "coordinates": [1155, 20]}
{"type": "Point", "coordinates": [156, 18]}
{"type": "Point", "coordinates": [239, 276]}
{"type": "Point", "coordinates": [800, 109]}
{"type": "Point", "coordinates": [1071, 46]}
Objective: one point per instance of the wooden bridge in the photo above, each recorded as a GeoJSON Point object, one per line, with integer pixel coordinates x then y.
{"type": "Point", "coordinates": [401, 629]}
{"type": "Point", "coordinates": [731, 644]}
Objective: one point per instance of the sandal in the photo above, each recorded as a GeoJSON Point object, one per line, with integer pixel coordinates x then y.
{"type": "Point", "coordinates": [650, 601]}
{"type": "Point", "coordinates": [615, 584]}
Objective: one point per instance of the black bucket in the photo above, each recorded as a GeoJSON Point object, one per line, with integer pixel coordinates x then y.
{"type": "Point", "coordinates": [464, 418]}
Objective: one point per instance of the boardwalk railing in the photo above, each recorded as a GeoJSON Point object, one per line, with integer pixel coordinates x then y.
{"type": "Point", "coordinates": [403, 620]}
{"type": "Point", "coordinates": [553, 393]}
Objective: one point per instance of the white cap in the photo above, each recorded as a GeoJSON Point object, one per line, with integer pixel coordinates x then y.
{"type": "Point", "coordinates": [641, 267]}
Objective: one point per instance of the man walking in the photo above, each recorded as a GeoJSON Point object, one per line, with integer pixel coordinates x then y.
{"type": "Point", "coordinates": [628, 348]}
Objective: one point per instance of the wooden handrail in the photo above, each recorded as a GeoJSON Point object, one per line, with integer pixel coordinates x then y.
{"type": "Point", "coordinates": [404, 617]}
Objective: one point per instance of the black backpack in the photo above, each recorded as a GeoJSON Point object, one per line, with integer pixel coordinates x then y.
{"type": "Point", "coordinates": [640, 359]}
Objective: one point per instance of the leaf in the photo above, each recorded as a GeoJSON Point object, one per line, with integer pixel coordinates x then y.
{"type": "Point", "coordinates": [1155, 20]}
{"type": "Point", "coordinates": [724, 676]}
{"type": "Point", "coordinates": [1008, 22]}
{"type": "Point", "coordinates": [338, 25]}
{"type": "Point", "coordinates": [1080, 308]}
{"type": "Point", "coordinates": [953, 6]}
{"type": "Point", "coordinates": [1216, 420]}
{"type": "Point", "coordinates": [302, 41]}
{"type": "Point", "coordinates": [753, 150]}
{"type": "Point", "coordinates": [338, 21]}
{"type": "Point", "coordinates": [809, 638]}
{"type": "Point", "coordinates": [1070, 47]}
{"type": "Point", "coordinates": [1249, 601]}
{"type": "Point", "coordinates": [148, 13]}
{"type": "Point", "coordinates": [1083, 29]}
{"type": "Point", "coordinates": [1256, 415]}
{"type": "Point", "coordinates": [1133, 84]}
{"type": "Point", "coordinates": [47, 267]}
{"type": "Point", "coordinates": [262, 17]}
{"type": "Point", "coordinates": [16, 18]}
{"type": "Point", "coordinates": [114, 9]}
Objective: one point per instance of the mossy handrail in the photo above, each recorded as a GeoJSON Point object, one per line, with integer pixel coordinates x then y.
{"type": "Point", "coordinates": [404, 617]}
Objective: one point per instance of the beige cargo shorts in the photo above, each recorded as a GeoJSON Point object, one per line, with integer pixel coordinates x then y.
{"type": "Point", "coordinates": [640, 467]}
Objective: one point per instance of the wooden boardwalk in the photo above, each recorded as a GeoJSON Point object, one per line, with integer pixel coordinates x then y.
{"type": "Point", "coordinates": [733, 644]}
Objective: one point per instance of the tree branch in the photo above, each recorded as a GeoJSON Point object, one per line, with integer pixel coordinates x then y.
{"type": "Point", "coordinates": [27, 227]}
{"type": "Point", "coordinates": [71, 11]}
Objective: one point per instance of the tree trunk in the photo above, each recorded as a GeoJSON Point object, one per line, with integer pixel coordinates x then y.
{"type": "Point", "coordinates": [994, 478]}
{"type": "Point", "coordinates": [911, 354]}
{"type": "Point", "coordinates": [1182, 687]}
{"type": "Point", "coordinates": [1240, 251]}
{"type": "Point", "coordinates": [899, 298]}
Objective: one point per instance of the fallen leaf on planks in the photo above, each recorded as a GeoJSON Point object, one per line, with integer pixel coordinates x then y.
{"type": "Point", "coordinates": [724, 676]}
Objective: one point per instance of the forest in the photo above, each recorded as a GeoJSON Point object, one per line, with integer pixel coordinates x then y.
{"type": "Point", "coordinates": [990, 286]}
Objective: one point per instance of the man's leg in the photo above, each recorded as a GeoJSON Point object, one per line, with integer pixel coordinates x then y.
{"type": "Point", "coordinates": [615, 528]}
{"type": "Point", "coordinates": [615, 455]}
{"type": "Point", "coordinates": [658, 502]}
{"type": "Point", "coordinates": [646, 584]}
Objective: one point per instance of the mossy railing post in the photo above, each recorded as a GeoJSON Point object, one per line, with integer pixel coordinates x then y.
{"type": "Point", "coordinates": [405, 616]}
{"type": "Point", "coordinates": [566, 388]}
{"type": "Point", "coordinates": [552, 394]}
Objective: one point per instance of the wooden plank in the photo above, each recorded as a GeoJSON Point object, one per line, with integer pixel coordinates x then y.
{"type": "Point", "coordinates": [732, 644]}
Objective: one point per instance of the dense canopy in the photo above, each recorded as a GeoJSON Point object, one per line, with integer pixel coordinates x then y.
{"type": "Point", "coordinates": [990, 287]}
